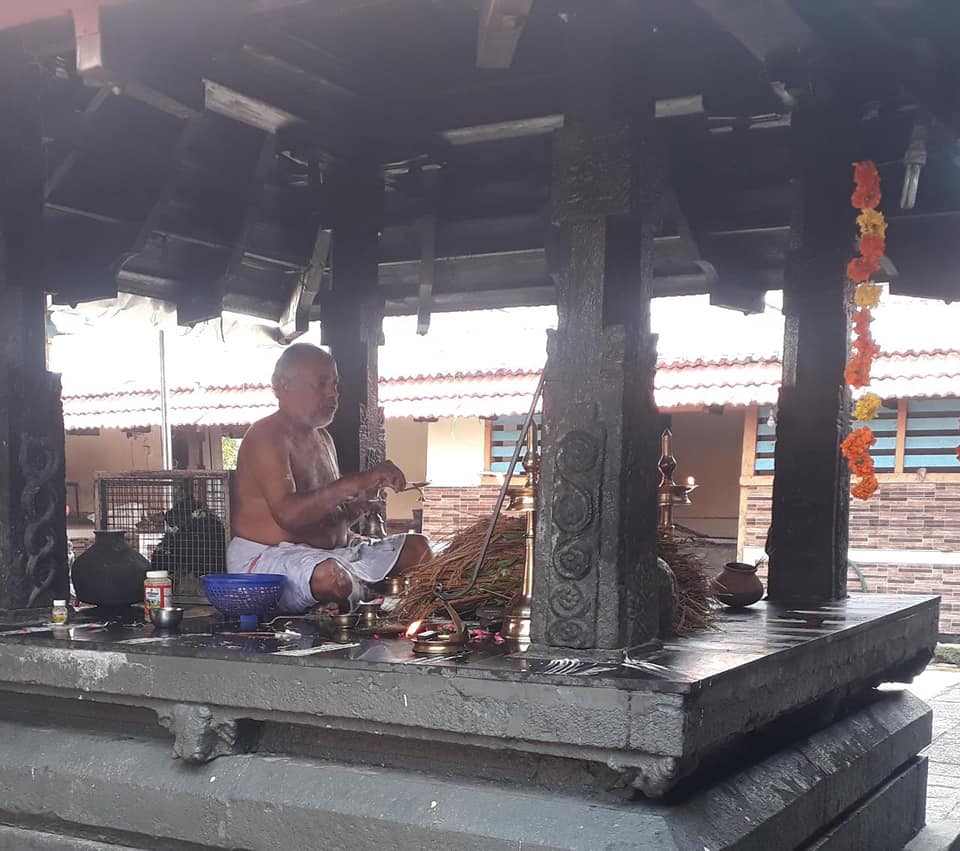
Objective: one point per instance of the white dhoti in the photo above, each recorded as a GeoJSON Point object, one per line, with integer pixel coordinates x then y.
{"type": "Point", "coordinates": [368, 561]}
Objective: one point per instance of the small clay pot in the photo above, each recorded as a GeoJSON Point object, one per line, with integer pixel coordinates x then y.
{"type": "Point", "coordinates": [737, 585]}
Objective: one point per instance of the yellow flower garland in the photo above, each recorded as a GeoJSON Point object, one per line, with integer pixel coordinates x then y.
{"type": "Point", "coordinates": [867, 407]}
{"type": "Point", "coordinates": [866, 295]}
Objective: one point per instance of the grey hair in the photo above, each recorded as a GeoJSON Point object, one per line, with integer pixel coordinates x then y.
{"type": "Point", "coordinates": [295, 356]}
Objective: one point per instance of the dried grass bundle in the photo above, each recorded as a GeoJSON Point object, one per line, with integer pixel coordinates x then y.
{"type": "Point", "coordinates": [498, 582]}
{"type": "Point", "coordinates": [501, 574]}
{"type": "Point", "coordinates": [695, 611]}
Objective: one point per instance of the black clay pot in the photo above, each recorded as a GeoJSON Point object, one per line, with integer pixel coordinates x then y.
{"type": "Point", "coordinates": [110, 573]}
{"type": "Point", "coordinates": [737, 585]}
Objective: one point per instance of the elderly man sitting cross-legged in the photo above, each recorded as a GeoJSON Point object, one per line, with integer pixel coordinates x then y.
{"type": "Point", "coordinates": [292, 509]}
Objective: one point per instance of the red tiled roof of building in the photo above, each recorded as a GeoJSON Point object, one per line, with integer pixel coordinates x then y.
{"type": "Point", "coordinates": [737, 382]}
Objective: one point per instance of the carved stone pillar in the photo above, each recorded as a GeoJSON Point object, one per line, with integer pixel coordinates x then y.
{"type": "Point", "coordinates": [351, 315]}
{"type": "Point", "coordinates": [596, 582]}
{"type": "Point", "coordinates": [807, 543]}
{"type": "Point", "coordinates": [33, 548]}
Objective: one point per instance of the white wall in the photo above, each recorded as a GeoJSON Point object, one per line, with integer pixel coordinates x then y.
{"type": "Point", "coordinates": [110, 452]}
{"type": "Point", "coordinates": [455, 451]}
{"type": "Point", "coordinates": [407, 448]}
{"type": "Point", "coordinates": [708, 447]}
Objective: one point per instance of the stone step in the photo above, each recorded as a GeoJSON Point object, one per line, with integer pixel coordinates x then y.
{"type": "Point", "coordinates": [128, 789]}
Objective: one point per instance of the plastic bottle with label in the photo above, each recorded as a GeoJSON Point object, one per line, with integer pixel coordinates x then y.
{"type": "Point", "coordinates": [157, 590]}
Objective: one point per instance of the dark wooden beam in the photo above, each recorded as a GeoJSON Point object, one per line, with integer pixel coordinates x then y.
{"type": "Point", "coordinates": [295, 320]}
{"type": "Point", "coordinates": [764, 27]}
{"type": "Point", "coordinates": [65, 166]}
{"type": "Point", "coordinates": [150, 286]}
{"type": "Point", "coordinates": [20, 15]}
{"type": "Point", "coordinates": [501, 25]}
{"type": "Point", "coordinates": [351, 314]}
{"type": "Point", "coordinates": [427, 225]}
{"type": "Point", "coordinates": [501, 130]}
{"type": "Point", "coordinates": [294, 75]}
{"type": "Point", "coordinates": [477, 271]}
{"type": "Point", "coordinates": [540, 125]}
{"type": "Point", "coordinates": [156, 99]}
{"type": "Point", "coordinates": [494, 299]}
{"type": "Point", "coordinates": [93, 64]}
{"type": "Point", "coordinates": [225, 101]}
{"type": "Point", "coordinates": [808, 538]}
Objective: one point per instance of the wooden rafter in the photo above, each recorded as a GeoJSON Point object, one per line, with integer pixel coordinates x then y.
{"type": "Point", "coordinates": [246, 109]}
{"type": "Point", "coordinates": [296, 318]}
{"type": "Point", "coordinates": [501, 25]}
{"type": "Point", "coordinates": [92, 66]}
{"type": "Point", "coordinates": [66, 165]}
{"type": "Point", "coordinates": [763, 27]}
{"type": "Point", "coordinates": [427, 225]}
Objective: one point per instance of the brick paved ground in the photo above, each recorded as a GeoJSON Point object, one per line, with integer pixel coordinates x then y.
{"type": "Point", "coordinates": [940, 687]}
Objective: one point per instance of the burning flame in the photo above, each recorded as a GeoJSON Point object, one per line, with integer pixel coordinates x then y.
{"type": "Point", "coordinates": [413, 629]}
{"type": "Point", "coordinates": [691, 481]}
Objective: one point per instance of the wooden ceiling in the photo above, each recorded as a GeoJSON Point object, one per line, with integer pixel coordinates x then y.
{"type": "Point", "coordinates": [187, 141]}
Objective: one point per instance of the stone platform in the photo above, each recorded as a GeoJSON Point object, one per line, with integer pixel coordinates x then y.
{"type": "Point", "coordinates": [766, 733]}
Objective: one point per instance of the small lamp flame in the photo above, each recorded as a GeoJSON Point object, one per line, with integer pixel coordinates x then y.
{"type": "Point", "coordinates": [691, 481]}
{"type": "Point", "coordinates": [413, 629]}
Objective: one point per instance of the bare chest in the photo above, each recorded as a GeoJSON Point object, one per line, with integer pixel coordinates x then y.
{"type": "Point", "coordinates": [313, 462]}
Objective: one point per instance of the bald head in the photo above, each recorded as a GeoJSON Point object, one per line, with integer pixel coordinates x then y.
{"type": "Point", "coordinates": [306, 383]}
{"type": "Point", "coordinates": [297, 356]}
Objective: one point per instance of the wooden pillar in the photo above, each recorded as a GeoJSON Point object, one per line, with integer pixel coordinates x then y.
{"type": "Point", "coordinates": [596, 581]}
{"type": "Point", "coordinates": [807, 542]}
{"type": "Point", "coordinates": [351, 316]}
{"type": "Point", "coordinates": [33, 554]}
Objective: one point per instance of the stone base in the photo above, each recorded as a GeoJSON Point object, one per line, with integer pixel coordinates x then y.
{"type": "Point", "coordinates": [766, 733]}
{"type": "Point", "coordinates": [857, 784]}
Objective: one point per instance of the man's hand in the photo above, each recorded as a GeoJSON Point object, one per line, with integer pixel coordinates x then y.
{"type": "Point", "coordinates": [357, 508]}
{"type": "Point", "coordinates": [385, 475]}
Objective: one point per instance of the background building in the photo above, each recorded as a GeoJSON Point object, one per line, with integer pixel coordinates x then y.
{"type": "Point", "coordinates": [453, 400]}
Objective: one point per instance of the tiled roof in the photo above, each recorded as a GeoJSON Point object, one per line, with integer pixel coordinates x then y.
{"type": "Point", "coordinates": [736, 382]}
{"type": "Point", "coordinates": [476, 363]}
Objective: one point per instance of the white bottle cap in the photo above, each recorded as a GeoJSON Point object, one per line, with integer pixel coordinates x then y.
{"type": "Point", "coordinates": [59, 603]}
{"type": "Point", "coordinates": [158, 574]}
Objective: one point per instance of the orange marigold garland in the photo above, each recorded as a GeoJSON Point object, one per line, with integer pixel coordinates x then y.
{"type": "Point", "coordinates": [856, 449]}
{"type": "Point", "coordinates": [866, 196]}
{"type": "Point", "coordinates": [860, 270]}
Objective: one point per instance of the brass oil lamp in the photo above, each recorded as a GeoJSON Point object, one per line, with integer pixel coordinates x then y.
{"type": "Point", "coordinates": [669, 493]}
{"type": "Point", "coordinates": [523, 499]}
{"type": "Point", "coordinates": [434, 643]}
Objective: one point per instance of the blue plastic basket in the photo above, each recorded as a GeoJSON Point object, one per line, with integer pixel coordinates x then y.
{"type": "Point", "coordinates": [248, 595]}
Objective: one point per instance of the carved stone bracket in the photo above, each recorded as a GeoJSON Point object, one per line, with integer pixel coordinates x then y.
{"type": "Point", "coordinates": [201, 735]}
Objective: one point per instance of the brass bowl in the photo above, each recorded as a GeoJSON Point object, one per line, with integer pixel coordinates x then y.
{"type": "Point", "coordinates": [347, 621]}
{"type": "Point", "coordinates": [370, 612]}
{"type": "Point", "coordinates": [394, 586]}
{"type": "Point", "coordinates": [441, 645]}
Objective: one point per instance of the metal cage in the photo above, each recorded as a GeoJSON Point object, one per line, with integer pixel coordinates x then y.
{"type": "Point", "coordinates": [178, 519]}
